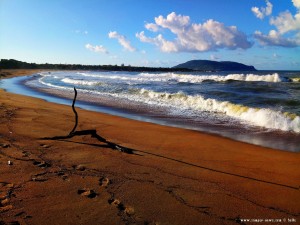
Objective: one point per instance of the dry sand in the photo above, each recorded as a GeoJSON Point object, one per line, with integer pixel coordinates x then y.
{"type": "Point", "coordinates": [175, 176]}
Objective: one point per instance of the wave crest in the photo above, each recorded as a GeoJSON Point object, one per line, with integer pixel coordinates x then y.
{"type": "Point", "coordinates": [189, 78]}
{"type": "Point", "coordinates": [262, 117]}
{"type": "Point", "coordinates": [80, 82]}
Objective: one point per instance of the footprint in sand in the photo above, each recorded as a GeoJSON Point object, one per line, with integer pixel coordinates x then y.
{"type": "Point", "coordinates": [23, 215]}
{"type": "Point", "coordinates": [63, 175]}
{"type": "Point", "coordinates": [41, 164]}
{"type": "Point", "coordinates": [5, 206]}
{"type": "Point", "coordinates": [5, 196]}
{"type": "Point", "coordinates": [87, 193]}
{"type": "Point", "coordinates": [119, 205]}
{"type": "Point", "coordinates": [79, 167]}
{"type": "Point", "coordinates": [129, 210]}
{"type": "Point", "coordinates": [25, 154]}
{"type": "Point", "coordinates": [104, 182]}
{"type": "Point", "coordinates": [5, 191]}
{"type": "Point", "coordinates": [5, 145]}
{"type": "Point", "coordinates": [39, 178]}
{"type": "Point", "coordinates": [6, 185]}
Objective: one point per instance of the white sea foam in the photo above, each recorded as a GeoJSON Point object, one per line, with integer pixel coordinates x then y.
{"type": "Point", "coordinates": [80, 82]}
{"type": "Point", "coordinates": [43, 73]}
{"type": "Point", "coordinates": [41, 80]}
{"type": "Point", "coordinates": [48, 74]}
{"type": "Point", "coordinates": [296, 79]}
{"type": "Point", "coordinates": [262, 117]}
{"type": "Point", "coordinates": [189, 78]}
{"type": "Point", "coordinates": [122, 77]}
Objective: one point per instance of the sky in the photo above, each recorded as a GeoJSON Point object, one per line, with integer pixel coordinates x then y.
{"type": "Point", "coordinates": [155, 33]}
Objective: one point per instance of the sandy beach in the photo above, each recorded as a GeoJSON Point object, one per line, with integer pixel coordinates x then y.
{"type": "Point", "coordinates": [174, 176]}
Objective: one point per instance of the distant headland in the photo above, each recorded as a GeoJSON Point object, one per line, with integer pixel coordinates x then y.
{"type": "Point", "coordinates": [190, 66]}
{"type": "Point", "coordinates": [208, 65]}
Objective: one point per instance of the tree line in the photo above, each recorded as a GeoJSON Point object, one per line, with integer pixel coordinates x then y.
{"type": "Point", "coordinates": [15, 64]}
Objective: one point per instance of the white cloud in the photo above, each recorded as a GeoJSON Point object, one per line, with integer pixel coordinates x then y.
{"type": "Point", "coordinates": [262, 12]}
{"type": "Point", "coordinates": [284, 23]}
{"type": "Point", "coordinates": [296, 3]}
{"type": "Point", "coordinates": [164, 45]}
{"type": "Point", "coordinates": [96, 48]}
{"type": "Point", "coordinates": [152, 26]}
{"type": "Point", "coordinates": [192, 37]}
{"type": "Point", "coordinates": [275, 39]}
{"type": "Point", "coordinates": [122, 40]}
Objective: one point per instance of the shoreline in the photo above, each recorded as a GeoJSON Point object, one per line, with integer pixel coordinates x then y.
{"type": "Point", "coordinates": [175, 176]}
{"type": "Point", "coordinates": [268, 139]}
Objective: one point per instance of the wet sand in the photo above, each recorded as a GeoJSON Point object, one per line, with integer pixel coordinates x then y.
{"type": "Point", "coordinates": [174, 176]}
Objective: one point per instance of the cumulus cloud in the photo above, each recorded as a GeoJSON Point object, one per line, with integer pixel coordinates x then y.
{"type": "Point", "coordinates": [96, 48]}
{"type": "Point", "coordinates": [122, 40]}
{"type": "Point", "coordinates": [152, 27]}
{"type": "Point", "coordinates": [193, 37]}
{"type": "Point", "coordinates": [164, 45]}
{"type": "Point", "coordinates": [296, 3]}
{"type": "Point", "coordinates": [275, 39]}
{"type": "Point", "coordinates": [285, 24]}
{"type": "Point", "coordinates": [263, 11]}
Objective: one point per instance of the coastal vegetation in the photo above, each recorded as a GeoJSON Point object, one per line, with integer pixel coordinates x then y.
{"type": "Point", "coordinates": [15, 64]}
{"type": "Point", "coordinates": [190, 66]}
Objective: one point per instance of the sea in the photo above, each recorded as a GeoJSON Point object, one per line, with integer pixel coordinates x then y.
{"type": "Point", "coordinates": [261, 107]}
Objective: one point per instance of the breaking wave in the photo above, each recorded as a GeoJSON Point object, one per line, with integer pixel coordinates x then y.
{"type": "Point", "coordinates": [190, 78]}
{"type": "Point", "coordinates": [180, 101]}
{"type": "Point", "coordinates": [295, 79]}
{"type": "Point", "coordinates": [262, 117]}
{"type": "Point", "coordinates": [218, 78]}
{"type": "Point", "coordinates": [80, 82]}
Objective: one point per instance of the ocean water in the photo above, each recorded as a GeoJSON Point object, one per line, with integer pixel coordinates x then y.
{"type": "Point", "coordinates": [261, 108]}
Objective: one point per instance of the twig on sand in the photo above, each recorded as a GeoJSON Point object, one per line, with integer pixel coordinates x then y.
{"type": "Point", "coordinates": [74, 110]}
{"type": "Point", "coordinates": [93, 133]}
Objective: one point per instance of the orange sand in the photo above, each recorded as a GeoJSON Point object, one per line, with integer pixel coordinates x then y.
{"type": "Point", "coordinates": [175, 176]}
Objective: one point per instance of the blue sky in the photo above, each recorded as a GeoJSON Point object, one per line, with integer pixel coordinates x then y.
{"type": "Point", "coordinates": [162, 33]}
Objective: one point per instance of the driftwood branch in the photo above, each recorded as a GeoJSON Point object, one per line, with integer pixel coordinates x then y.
{"type": "Point", "coordinates": [74, 110]}
{"type": "Point", "coordinates": [93, 133]}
